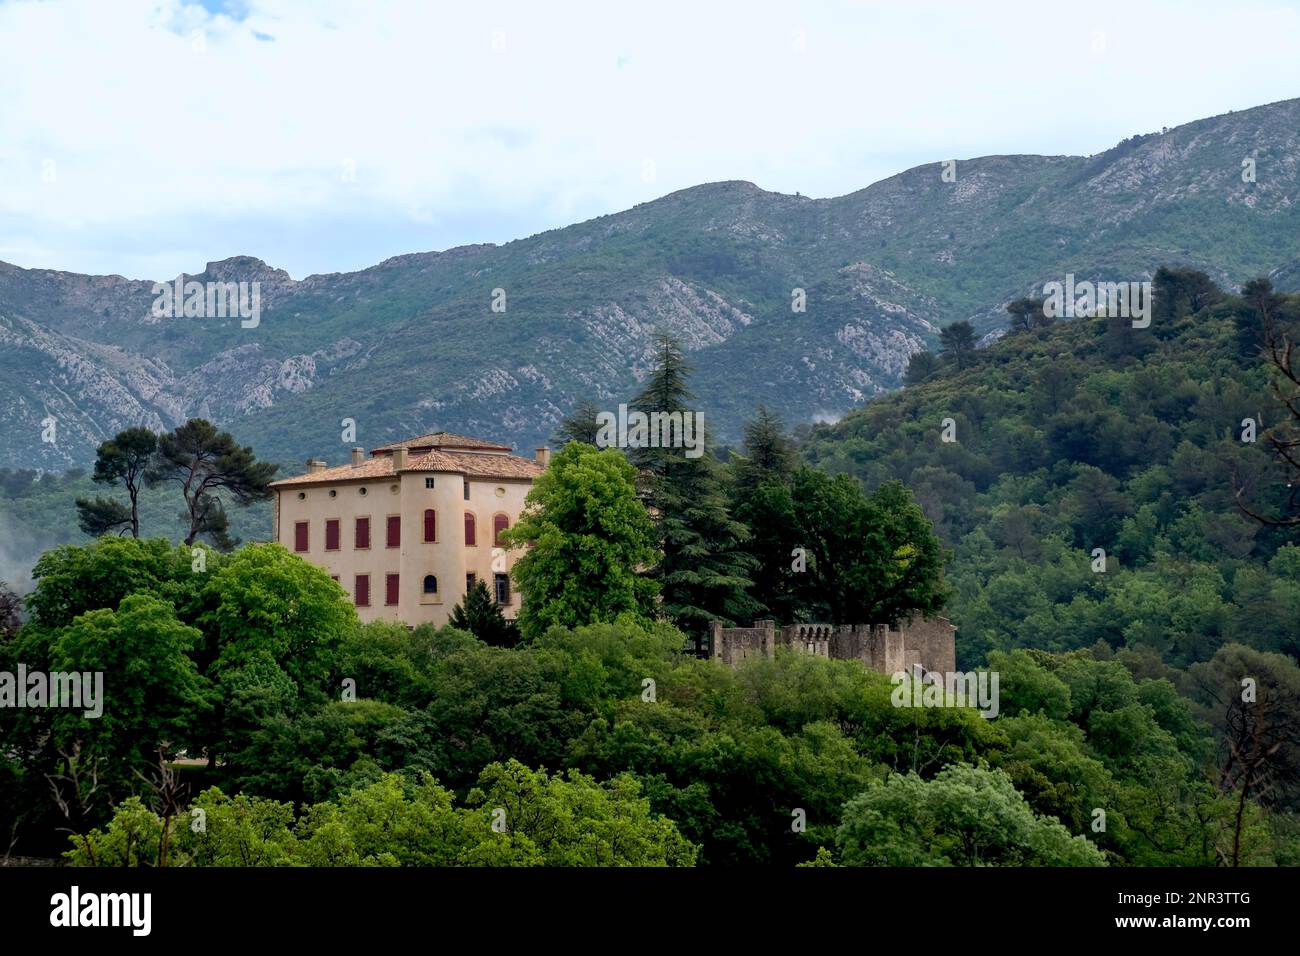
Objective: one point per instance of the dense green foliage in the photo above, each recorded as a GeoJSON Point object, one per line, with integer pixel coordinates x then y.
{"type": "Point", "coordinates": [699, 762]}
{"type": "Point", "coordinates": [1148, 696]}
{"type": "Point", "coordinates": [588, 536]}
{"type": "Point", "coordinates": [703, 569]}
{"type": "Point", "coordinates": [396, 821]}
{"type": "Point", "coordinates": [479, 614]}
{"type": "Point", "coordinates": [1087, 434]}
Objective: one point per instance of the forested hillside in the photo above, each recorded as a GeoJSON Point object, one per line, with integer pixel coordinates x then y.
{"type": "Point", "coordinates": [1087, 434]}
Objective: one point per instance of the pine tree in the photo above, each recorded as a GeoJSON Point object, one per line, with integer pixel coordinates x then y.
{"type": "Point", "coordinates": [123, 459]}
{"type": "Point", "coordinates": [579, 425]}
{"type": "Point", "coordinates": [958, 341]}
{"type": "Point", "coordinates": [769, 453]}
{"type": "Point", "coordinates": [207, 464]}
{"type": "Point", "coordinates": [481, 616]}
{"type": "Point", "coordinates": [704, 572]}
{"type": "Point", "coordinates": [761, 498]}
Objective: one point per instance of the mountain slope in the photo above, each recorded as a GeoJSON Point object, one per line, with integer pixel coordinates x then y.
{"type": "Point", "coordinates": [412, 343]}
{"type": "Point", "coordinates": [1087, 435]}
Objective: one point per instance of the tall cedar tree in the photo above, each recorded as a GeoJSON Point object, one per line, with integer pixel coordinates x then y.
{"type": "Point", "coordinates": [580, 424]}
{"type": "Point", "coordinates": [761, 499]}
{"type": "Point", "coordinates": [124, 459]}
{"type": "Point", "coordinates": [481, 616]}
{"type": "Point", "coordinates": [704, 571]}
{"type": "Point", "coordinates": [207, 463]}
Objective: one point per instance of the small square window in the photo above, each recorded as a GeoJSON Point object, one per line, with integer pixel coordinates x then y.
{"type": "Point", "coordinates": [428, 482]}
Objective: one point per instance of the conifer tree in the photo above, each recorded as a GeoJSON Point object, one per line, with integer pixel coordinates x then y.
{"type": "Point", "coordinates": [481, 616]}
{"type": "Point", "coordinates": [761, 499]}
{"type": "Point", "coordinates": [704, 572]}
{"type": "Point", "coordinates": [207, 464]}
{"type": "Point", "coordinates": [122, 460]}
{"type": "Point", "coordinates": [579, 425]}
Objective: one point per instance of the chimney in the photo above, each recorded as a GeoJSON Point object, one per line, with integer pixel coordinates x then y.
{"type": "Point", "coordinates": [543, 456]}
{"type": "Point", "coordinates": [358, 456]}
{"type": "Point", "coordinates": [314, 465]}
{"type": "Point", "coordinates": [399, 459]}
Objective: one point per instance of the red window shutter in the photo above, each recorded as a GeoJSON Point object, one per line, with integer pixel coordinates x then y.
{"type": "Point", "coordinates": [499, 524]}
{"type": "Point", "coordinates": [394, 531]}
{"type": "Point", "coordinates": [391, 588]}
{"type": "Point", "coordinates": [469, 529]}
{"type": "Point", "coordinates": [363, 590]}
{"type": "Point", "coordinates": [363, 532]}
{"type": "Point", "coordinates": [430, 525]}
{"type": "Point", "coordinates": [300, 536]}
{"type": "Point", "coordinates": [332, 534]}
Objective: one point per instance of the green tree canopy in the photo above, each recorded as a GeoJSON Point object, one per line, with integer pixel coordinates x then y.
{"type": "Point", "coordinates": [589, 539]}
{"type": "Point", "coordinates": [965, 816]}
{"type": "Point", "coordinates": [124, 459]}
{"type": "Point", "coordinates": [209, 466]}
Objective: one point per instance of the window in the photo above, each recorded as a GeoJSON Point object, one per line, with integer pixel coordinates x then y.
{"type": "Point", "coordinates": [331, 534]}
{"type": "Point", "coordinates": [300, 536]}
{"type": "Point", "coordinates": [363, 534]}
{"type": "Point", "coordinates": [466, 489]}
{"type": "Point", "coordinates": [394, 531]}
{"type": "Point", "coordinates": [469, 582]}
{"type": "Point", "coordinates": [428, 482]}
{"type": "Point", "coordinates": [503, 588]}
{"type": "Point", "coordinates": [334, 578]}
{"type": "Point", "coordinates": [499, 524]}
{"type": "Point", "coordinates": [430, 584]}
{"type": "Point", "coordinates": [391, 588]}
{"type": "Point", "coordinates": [470, 537]}
{"type": "Point", "coordinates": [430, 525]}
{"type": "Point", "coordinates": [363, 590]}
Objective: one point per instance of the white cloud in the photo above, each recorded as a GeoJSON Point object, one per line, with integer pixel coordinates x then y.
{"type": "Point", "coordinates": [167, 152]}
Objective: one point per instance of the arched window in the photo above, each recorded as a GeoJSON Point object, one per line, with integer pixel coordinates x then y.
{"type": "Point", "coordinates": [430, 525]}
{"type": "Point", "coordinates": [499, 523]}
{"type": "Point", "coordinates": [430, 584]}
{"type": "Point", "coordinates": [469, 530]}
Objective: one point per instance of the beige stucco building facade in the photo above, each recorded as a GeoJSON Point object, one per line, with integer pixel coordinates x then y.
{"type": "Point", "coordinates": [406, 529]}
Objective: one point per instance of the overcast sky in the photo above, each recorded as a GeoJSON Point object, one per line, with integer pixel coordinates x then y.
{"type": "Point", "coordinates": [146, 138]}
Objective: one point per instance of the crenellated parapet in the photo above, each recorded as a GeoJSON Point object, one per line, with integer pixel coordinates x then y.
{"type": "Point", "coordinates": [927, 642]}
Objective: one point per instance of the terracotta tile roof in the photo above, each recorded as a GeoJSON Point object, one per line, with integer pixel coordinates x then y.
{"type": "Point", "coordinates": [438, 440]}
{"type": "Point", "coordinates": [466, 463]}
{"type": "Point", "coordinates": [477, 466]}
{"type": "Point", "coordinates": [370, 468]}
